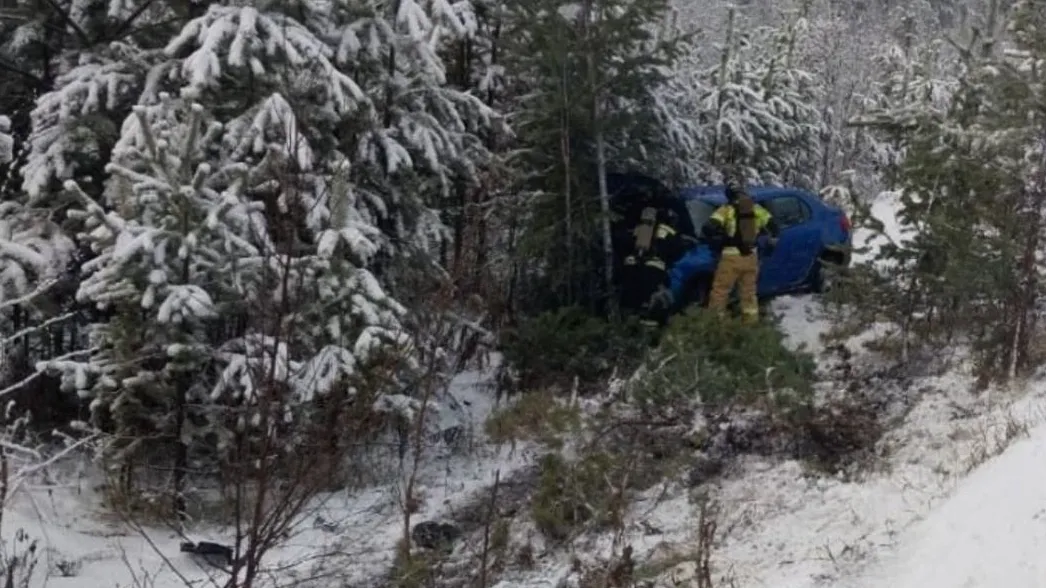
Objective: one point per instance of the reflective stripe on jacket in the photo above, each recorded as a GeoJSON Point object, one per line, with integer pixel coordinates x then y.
{"type": "Point", "coordinates": [653, 262]}
{"type": "Point", "coordinates": [664, 232]}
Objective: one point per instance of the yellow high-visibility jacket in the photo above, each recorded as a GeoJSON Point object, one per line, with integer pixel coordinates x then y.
{"type": "Point", "coordinates": [726, 217]}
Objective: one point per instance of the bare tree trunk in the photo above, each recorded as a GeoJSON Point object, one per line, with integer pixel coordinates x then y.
{"type": "Point", "coordinates": [595, 85]}
{"type": "Point", "coordinates": [564, 138]}
{"type": "Point", "coordinates": [491, 514]}
{"type": "Point", "coordinates": [181, 450]}
{"type": "Point", "coordinates": [183, 381]}
{"type": "Point", "coordinates": [991, 26]}
{"type": "Point", "coordinates": [1027, 296]}
{"type": "Point", "coordinates": [462, 224]}
{"type": "Point", "coordinates": [604, 205]}
{"type": "Point", "coordinates": [482, 254]}
{"type": "Point", "coordinates": [724, 64]}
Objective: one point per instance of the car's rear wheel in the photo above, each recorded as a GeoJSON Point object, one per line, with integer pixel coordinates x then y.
{"type": "Point", "coordinates": [821, 275]}
{"type": "Point", "coordinates": [819, 283]}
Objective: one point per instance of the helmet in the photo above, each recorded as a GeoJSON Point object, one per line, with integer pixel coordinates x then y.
{"type": "Point", "coordinates": [734, 190]}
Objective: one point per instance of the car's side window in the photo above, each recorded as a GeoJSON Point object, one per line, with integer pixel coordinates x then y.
{"type": "Point", "coordinates": [700, 212]}
{"type": "Point", "coordinates": [788, 211]}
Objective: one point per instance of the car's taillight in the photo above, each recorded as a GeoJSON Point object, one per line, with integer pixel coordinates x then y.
{"type": "Point", "coordinates": [844, 221]}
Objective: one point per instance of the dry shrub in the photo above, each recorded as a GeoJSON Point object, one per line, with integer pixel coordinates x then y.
{"type": "Point", "coordinates": [537, 416]}
{"type": "Point", "coordinates": [837, 436]}
{"type": "Point", "coordinates": [572, 494]}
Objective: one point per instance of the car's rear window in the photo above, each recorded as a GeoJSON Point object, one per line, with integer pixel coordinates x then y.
{"type": "Point", "coordinates": [699, 211]}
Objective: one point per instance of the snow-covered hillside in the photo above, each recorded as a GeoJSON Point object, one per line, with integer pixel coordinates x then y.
{"type": "Point", "coordinates": [990, 531]}
{"type": "Point", "coordinates": [922, 516]}
{"type": "Point", "coordinates": [354, 531]}
{"type": "Point", "coordinates": [954, 502]}
{"type": "Point", "coordinates": [798, 531]}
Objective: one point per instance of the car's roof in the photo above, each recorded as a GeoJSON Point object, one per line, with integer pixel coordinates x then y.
{"type": "Point", "coordinates": [717, 194]}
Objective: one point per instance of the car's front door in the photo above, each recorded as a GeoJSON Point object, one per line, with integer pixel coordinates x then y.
{"type": "Point", "coordinates": [797, 249]}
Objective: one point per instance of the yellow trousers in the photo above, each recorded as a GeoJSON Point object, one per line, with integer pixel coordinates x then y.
{"type": "Point", "coordinates": [742, 270]}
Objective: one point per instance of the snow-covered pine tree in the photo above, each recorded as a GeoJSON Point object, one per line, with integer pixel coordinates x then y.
{"type": "Point", "coordinates": [474, 63]}
{"type": "Point", "coordinates": [674, 132]}
{"type": "Point", "coordinates": [916, 75]}
{"type": "Point", "coordinates": [761, 108]}
{"type": "Point", "coordinates": [35, 284]}
{"type": "Point", "coordinates": [972, 183]}
{"type": "Point", "coordinates": [791, 151]}
{"type": "Point", "coordinates": [90, 60]}
{"type": "Point", "coordinates": [333, 135]}
{"type": "Point", "coordinates": [167, 243]}
{"type": "Point", "coordinates": [585, 75]}
{"type": "Point", "coordinates": [421, 140]}
{"type": "Point", "coordinates": [194, 281]}
{"type": "Point", "coordinates": [422, 143]}
{"type": "Point", "coordinates": [21, 67]}
{"type": "Point", "coordinates": [913, 77]}
{"type": "Point", "coordinates": [836, 46]}
{"type": "Point", "coordinates": [74, 69]}
{"type": "Point", "coordinates": [1007, 134]}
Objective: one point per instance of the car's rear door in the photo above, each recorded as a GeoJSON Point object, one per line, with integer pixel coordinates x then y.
{"type": "Point", "coordinates": [797, 249]}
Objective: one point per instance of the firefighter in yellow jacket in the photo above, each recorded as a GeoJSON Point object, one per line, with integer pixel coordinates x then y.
{"type": "Point", "coordinates": [735, 227]}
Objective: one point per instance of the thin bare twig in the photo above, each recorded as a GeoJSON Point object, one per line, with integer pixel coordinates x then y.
{"type": "Point", "coordinates": [491, 513]}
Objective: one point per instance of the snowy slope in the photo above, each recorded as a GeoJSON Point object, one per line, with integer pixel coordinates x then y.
{"type": "Point", "coordinates": [930, 516]}
{"type": "Point", "coordinates": [919, 521]}
{"type": "Point", "coordinates": [797, 531]}
{"type": "Point", "coordinates": [991, 531]}
{"type": "Point", "coordinates": [911, 524]}
{"type": "Point", "coordinates": [779, 526]}
{"type": "Point", "coordinates": [802, 320]}
{"type": "Point", "coordinates": [354, 532]}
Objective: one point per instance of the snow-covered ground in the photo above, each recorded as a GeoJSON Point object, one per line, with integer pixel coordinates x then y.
{"type": "Point", "coordinates": [958, 501]}
{"type": "Point", "coordinates": [782, 526]}
{"type": "Point", "coordinates": [354, 531]}
{"type": "Point", "coordinates": [792, 530]}
{"type": "Point", "coordinates": [921, 517]}
{"type": "Point", "coordinates": [991, 531]}
{"type": "Point", "coordinates": [943, 511]}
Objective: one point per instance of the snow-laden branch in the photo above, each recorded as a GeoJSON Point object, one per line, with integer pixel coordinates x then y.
{"type": "Point", "coordinates": [36, 374]}
{"type": "Point", "coordinates": [30, 330]}
{"type": "Point", "coordinates": [41, 289]}
{"type": "Point", "coordinates": [4, 444]}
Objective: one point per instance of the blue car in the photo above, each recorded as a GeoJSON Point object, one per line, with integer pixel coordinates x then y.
{"type": "Point", "coordinates": [813, 234]}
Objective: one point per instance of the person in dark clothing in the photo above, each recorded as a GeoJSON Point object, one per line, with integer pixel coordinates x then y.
{"type": "Point", "coordinates": [644, 274]}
